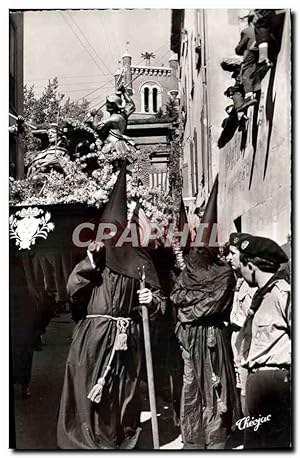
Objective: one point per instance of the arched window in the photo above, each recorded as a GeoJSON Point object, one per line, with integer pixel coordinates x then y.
{"type": "Point", "coordinates": [151, 98]}
{"type": "Point", "coordinates": [154, 100]}
{"type": "Point", "coordinates": [146, 99]}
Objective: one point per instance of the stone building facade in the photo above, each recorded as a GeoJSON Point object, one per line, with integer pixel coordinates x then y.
{"type": "Point", "coordinates": [16, 150]}
{"type": "Point", "coordinates": [254, 168]}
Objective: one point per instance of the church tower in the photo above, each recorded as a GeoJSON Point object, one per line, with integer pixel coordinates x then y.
{"type": "Point", "coordinates": [152, 89]}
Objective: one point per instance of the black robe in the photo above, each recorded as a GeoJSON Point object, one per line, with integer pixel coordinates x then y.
{"type": "Point", "coordinates": [203, 296]}
{"type": "Point", "coordinates": [114, 422]}
{"type": "Point", "coordinates": [30, 312]}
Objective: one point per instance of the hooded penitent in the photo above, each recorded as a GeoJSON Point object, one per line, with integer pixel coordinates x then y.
{"type": "Point", "coordinates": [203, 296]}
{"type": "Point", "coordinates": [124, 259]}
{"type": "Point", "coordinates": [100, 405]}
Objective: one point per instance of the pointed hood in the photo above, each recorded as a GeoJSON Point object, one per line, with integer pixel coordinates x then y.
{"type": "Point", "coordinates": [210, 215]}
{"type": "Point", "coordinates": [125, 259]}
{"type": "Point", "coordinates": [115, 210]}
{"type": "Point", "coordinates": [182, 216]}
{"type": "Point", "coordinates": [203, 267]}
{"type": "Point", "coordinates": [181, 222]}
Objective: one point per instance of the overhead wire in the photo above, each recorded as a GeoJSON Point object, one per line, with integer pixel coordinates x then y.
{"type": "Point", "coordinates": [74, 90]}
{"type": "Point", "coordinates": [112, 53]}
{"type": "Point", "coordinates": [98, 89]}
{"type": "Point", "coordinates": [89, 43]}
{"type": "Point", "coordinates": [81, 42]}
{"type": "Point", "coordinates": [99, 96]}
{"type": "Point", "coordinates": [59, 77]}
{"type": "Point", "coordinates": [107, 83]}
{"type": "Point", "coordinates": [73, 85]}
{"type": "Point", "coordinates": [92, 92]}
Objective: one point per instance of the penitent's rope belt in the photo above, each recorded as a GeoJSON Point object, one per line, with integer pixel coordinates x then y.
{"type": "Point", "coordinates": [120, 344]}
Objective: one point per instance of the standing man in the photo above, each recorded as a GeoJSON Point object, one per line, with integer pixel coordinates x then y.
{"type": "Point", "coordinates": [241, 303]}
{"type": "Point", "coordinates": [267, 345]}
{"type": "Point", "coordinates": [248, 49]}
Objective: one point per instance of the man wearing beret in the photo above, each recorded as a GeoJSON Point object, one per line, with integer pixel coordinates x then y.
{"type": "Point", "coordinates": [267, 346]}
{"type": "Point", "coordinates": [241, 303]}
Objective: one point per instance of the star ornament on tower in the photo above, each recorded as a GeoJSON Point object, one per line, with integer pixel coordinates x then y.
{"type": "Point", "coordinates": [147, 56]}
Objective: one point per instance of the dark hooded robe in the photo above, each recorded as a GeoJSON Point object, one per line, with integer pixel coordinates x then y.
{"type": "Point", "coordinates": [203, 296]}
{"type": "Point", "coordinates": [100, 297]}
{"type": "Point", "coordinates": [30, 312]}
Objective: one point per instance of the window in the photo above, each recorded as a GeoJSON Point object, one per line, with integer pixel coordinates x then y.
{"type": "Point", "coordinates": [154, 99]}
{"type": "Point", "coordinates": [196, 159]}
{"type": "Point", "coordinates": [150, 97]}
{"type": "Point", "coordinates": [192, 168]}
{"type": "Point", "coordinates": [146, 99]}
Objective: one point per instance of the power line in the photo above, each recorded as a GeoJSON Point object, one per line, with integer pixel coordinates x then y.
{"type": "Point", "coordinates": [88, 42]}
{"type": "Point", "coordinates": [74, 90]}
{"type": "Point", "coordinates": [112, 53]}
{"type": "Point", "coordinates": [113, 34]}
{"type": "Point", "coordinates": [62, 77]}
{"type": "Point", "coordinates": [73, 84]}
{"type": "Point", "coordinates": [81, 42]}
{"type": "Point", "coordinates": [113, 78]}
{"type": "Point", "coordinates": [98, 89]}
{"type": "Point", "coordinates": [134, 78]}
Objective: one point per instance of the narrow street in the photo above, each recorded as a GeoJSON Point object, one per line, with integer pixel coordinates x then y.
{"type": "Point", "coordinates": [157, 144]}
{"type": "Point", "coordinates": [35, 417]}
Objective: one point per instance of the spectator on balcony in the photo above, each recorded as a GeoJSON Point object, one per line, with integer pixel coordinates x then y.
{"type": "Point", "coordinates": [268, 32]}
{"type": "Point", "coordinates": [235, 92]}
{"type": "Point", "coordinates": [247, 48]}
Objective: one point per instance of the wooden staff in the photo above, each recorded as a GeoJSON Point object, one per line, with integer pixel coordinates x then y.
{"type": "Point", "coordinates": [125, 85]}
{"type": "Point", "coordinates": [149, 365]}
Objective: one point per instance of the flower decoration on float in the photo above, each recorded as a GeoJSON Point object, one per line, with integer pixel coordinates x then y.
{"type": "Point", "coordinates": [92, 185]}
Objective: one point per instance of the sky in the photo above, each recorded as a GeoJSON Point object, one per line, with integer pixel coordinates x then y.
{"type": "Point", "coordinates": [82, 48]}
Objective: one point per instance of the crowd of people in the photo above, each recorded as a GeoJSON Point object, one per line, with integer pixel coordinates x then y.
{"type": "Point", "coordinates": [232, 325]}
{"type": "Point", "coordinates": [226, 316]}
{"type": "Point", "coordinates": [255, 55]}
{"type": "Point", "coordinates": [221, 339]}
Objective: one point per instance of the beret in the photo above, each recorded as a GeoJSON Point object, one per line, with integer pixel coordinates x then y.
{"type": "Point", "coordinates": [262, 247]}
{"type": "Point", "coordinates": [236, 238]}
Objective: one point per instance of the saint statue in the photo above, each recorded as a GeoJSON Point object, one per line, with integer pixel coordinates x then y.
{"type": "Point", "coordinates": [111, 141]}
{"type": "Point", "coordinates": [53, 157]}
{"type": "Point", "coordinates": [120, 106]}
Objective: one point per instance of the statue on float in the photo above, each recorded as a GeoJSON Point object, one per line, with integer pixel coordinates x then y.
{"type": "Point", "coordinates": [53, 157]}
{"type": "Point", "coordinates": [120, 106]}
{"type": "Point", "coordinates": [91, 142]}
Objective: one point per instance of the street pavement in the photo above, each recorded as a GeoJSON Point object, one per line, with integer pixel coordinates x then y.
{"type": "Point", "coordinates": [35, 417]}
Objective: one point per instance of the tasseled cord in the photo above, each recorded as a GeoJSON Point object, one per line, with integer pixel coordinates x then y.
{"type": "Point", "coordinates": [216, 381]}
{"type": "Point", "coordinates": [178, 255]}
{"type": "Point", "coordinates": [120, 344]}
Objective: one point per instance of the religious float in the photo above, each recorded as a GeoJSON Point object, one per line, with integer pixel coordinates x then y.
{"type": "Point", "coordinates": [56, 208]}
